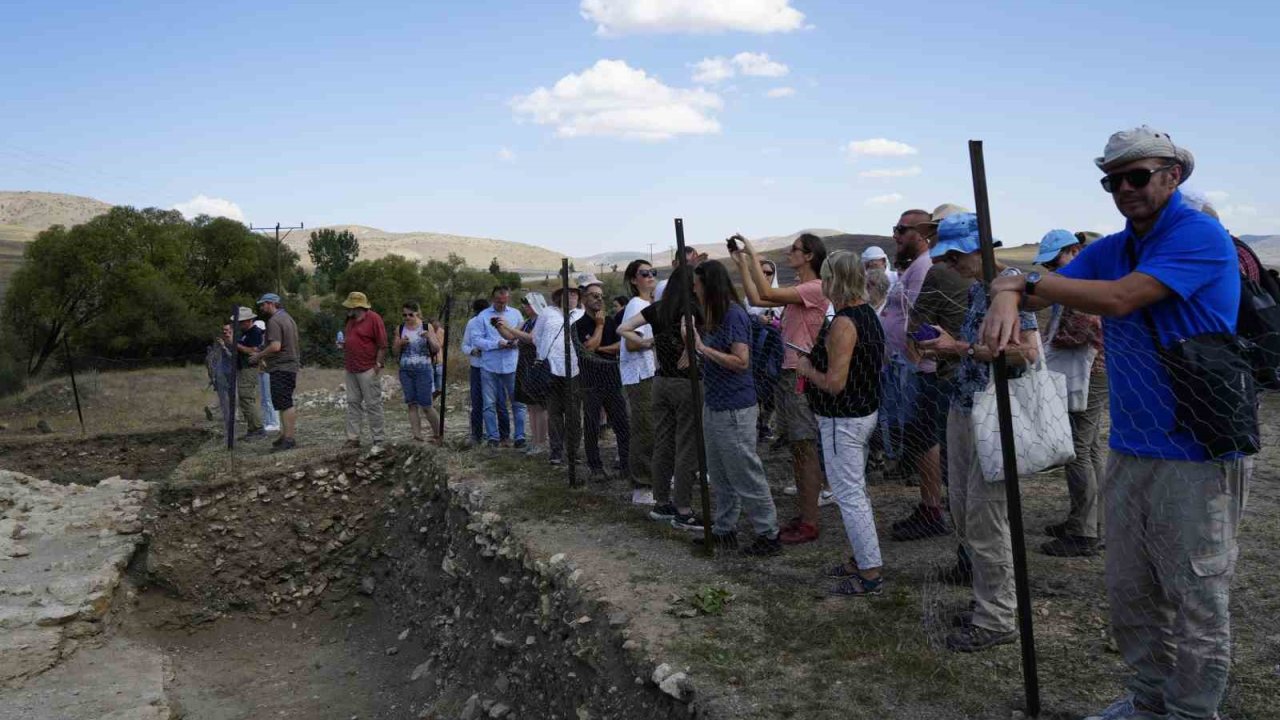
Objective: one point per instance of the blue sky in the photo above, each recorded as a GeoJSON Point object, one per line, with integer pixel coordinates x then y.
{"type": "Point", "coordinates": [427, 115]}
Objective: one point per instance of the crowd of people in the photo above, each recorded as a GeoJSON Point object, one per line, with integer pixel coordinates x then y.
{"type": "Point", "coordinates": [870, 363]}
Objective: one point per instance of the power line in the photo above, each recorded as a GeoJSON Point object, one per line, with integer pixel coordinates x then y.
{"type": "Point", "coordinates": [279, 250]}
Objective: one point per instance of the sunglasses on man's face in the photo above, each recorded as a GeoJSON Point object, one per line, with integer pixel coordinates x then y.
{"type": "Point", "coordinates": [1137, 179]}
{"type": "Point", "coordinates": [903, 229]}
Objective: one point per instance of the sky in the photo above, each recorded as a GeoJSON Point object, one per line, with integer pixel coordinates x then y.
{"type": "Point", "coordinates": [585, 126]}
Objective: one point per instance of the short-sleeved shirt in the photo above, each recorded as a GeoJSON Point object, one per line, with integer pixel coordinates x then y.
{"type": "Point", "coordinates": [898, 303]}
{"type": "Point", "coordinates": [362, 340]}
{"type": "Point", "coordinates": [1191, 254]}
{"type": "Point", "coordinates": [636, 365]}
{"type": "Point", "coordinates": [943, 301]}
{"type": "Point", "coordinates": [802, 321]}
{"type": "Point", "coordinates": [971, 375]}
{"type": "Point", "coordinates": [727, 389]}
{"type": "Point", "coordinates": [282, 329]}
{"type": "Point", "coordinates": [249, 338]}
{"type": "Point", "coordinates": [668, 341]}
{"type": "Point", "coordinates": [598, 371]}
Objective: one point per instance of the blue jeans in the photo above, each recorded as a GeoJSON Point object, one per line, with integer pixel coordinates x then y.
{"type": "Point", "coordinates": [498, 390]}
{"type": "Point", "coordinates": [269, 416]}
{"type": "Point", "coordinates": [477, 410]}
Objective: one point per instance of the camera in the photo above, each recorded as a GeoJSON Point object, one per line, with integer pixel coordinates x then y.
{"type": "Point", "coordinates": [495, 320]}
{"type": "Point", "coordinates": [734, 243]}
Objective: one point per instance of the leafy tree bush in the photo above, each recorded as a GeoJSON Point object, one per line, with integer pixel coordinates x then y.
{"type": "Point", "coordinates": [332, 252]}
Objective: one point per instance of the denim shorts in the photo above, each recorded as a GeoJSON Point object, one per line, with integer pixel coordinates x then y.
{"type": "Point", "coordinates": [417, 381]}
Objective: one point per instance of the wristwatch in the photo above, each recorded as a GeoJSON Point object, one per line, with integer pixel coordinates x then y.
{"type": "Point", "coordinates": [1033, 279]}
{"type": "Point", "coordinates": [973, 349]}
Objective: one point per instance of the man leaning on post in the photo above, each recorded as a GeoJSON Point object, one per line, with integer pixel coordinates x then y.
{"type": "Point", "coordinates": [364, 352]}
{"type": "Point", "coordinates": [1172, 509]}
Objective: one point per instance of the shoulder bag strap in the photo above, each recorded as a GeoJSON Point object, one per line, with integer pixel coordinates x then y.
{"type": "Point", "coordinates": [1146, 311]}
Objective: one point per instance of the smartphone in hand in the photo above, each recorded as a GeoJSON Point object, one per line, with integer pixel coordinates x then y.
{"type": "Point", "coordinates": [797, 348]}
{"type": "Point", "coordinates": [925, 332]}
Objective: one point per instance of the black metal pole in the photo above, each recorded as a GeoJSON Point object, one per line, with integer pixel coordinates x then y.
{"type": "Point", "coordinates": [1030, 678]}
{"type": "Point", "coordinates": [695, 384]}
{"type": "Point", "coordinates": [444, 375]}
{"type": "Point", "coordinates": [71, 368]}
{"type": "Point", "coordinates": [233, 391]}
{"type": "Point", "coordinates": [570, 411]}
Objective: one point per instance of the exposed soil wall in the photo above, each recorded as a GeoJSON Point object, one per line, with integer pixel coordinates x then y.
{"type": "Point", "coordinates": [493, 632]}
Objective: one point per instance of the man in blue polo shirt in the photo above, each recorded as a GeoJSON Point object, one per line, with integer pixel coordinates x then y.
{"type": "Point", "coordinates": [1172, 510]}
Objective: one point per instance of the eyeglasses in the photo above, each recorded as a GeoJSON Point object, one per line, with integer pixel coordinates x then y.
{"type": "Point", "coordinates": [903, 229]}
{"type": "Point", "coordinates": [797, 248]}
{"type": "Point", "coordinates": [647, 273]}
{"type": "Point", "coordinates": [1137, 179]}
{"type": "Point", "coordinates": [409, 314]}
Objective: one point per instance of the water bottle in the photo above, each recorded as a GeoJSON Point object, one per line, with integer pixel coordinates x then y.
{"type": "Point", "coordinates": [341, 338]}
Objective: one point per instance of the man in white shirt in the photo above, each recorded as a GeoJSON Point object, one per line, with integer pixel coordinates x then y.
{"type": "Point", "coordinates": [562, 398]}
{"type": "Point", "coordinates": [474, 329]}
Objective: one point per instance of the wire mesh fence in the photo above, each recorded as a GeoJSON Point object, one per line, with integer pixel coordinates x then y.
{"type": "Point", "coordinates": [850, 427]}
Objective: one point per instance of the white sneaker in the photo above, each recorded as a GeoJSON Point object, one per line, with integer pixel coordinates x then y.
{"type": "Point", "coordinates": [272, 428]}
{"type": "Point", "coordinates": [790, 490]}
{"type": "Point", "coordinates": [642, 496]}
{"type": "Point", "coordinates": [826, 498]}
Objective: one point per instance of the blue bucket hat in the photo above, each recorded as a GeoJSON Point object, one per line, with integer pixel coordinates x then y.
{"type": "Point", "coordinates": [1053, 243]}
{"type": "Point", "coordinates": [269, 298]}
{"type": "Point", "coordinates": [958, 233]}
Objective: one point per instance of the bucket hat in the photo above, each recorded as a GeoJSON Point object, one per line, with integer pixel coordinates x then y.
{"type": "Point", "coordinates": [356, 300]}
{"type": "Point", "coordinates": [245, 313]}
{"type": "Point", "coordinates": [958, 233]}
{"type": "Point", "coordinates": [1140, 143]}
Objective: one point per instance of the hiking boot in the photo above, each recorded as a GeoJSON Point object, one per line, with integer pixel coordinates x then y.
{"type": "Point", "coordinates": [973, 638]}
{"type": "Point", "coordinates": [690, 522]}
{"type": "Point", "coordinates": [801, 532]}
{"type": "Point", "coordinates": [1056, 530]}
{"type": "Point", "coordinates": [721, 543]}
{"type": "Point", "coordinates": [286, 445]}
{"type": "Point", "coordinates": [1071, 546]}
{"type": "Point", "coordinates": [666, 512]}
{"type": "Point", "coordinates": [964, 618]}
{"type": "Point", "coordinates": [923, 522]}
{"type": "Point", "coordinates": [1127, 708]}
{"type": "Point", "coordinates": [764, 546]}
{"type": "Point", "coordinates": [959, 575]}
{"type": "Point", "coordinates": [520, 444]}
{"type": "Point", "coordinates": [278, 441]}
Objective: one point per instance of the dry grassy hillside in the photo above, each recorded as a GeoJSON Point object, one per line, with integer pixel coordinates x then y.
{"type": "Point", "coordinates": [39, 210]}
{"type": "Point", "coordinates": [423, 246]}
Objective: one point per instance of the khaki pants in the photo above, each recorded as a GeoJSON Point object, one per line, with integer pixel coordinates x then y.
{"type": "Point", "coordinates": [364, 400]}
{"type": "Point", "coordinates": [980, 511]}
{"type": "Point", "coordinates": [1085, 473]}
{"type": "Point", "coordinates": [247, 399]}
{"type": "Point", "coordinates": [1171, 551]}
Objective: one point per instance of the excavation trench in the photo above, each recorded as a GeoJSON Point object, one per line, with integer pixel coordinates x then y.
{"type": "Point", "coordinates": [367, 587]}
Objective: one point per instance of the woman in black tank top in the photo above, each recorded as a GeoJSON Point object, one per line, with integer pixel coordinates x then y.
{"type": "Point", "coordinates": [843, 373]}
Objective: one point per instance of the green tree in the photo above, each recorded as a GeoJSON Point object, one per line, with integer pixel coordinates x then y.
{"type": "Point", "coordinates": [332, 252]}
{"type": "Point", "coordinates": [388, 282]}
{"type": "Point", "coordinates": [494, 268]}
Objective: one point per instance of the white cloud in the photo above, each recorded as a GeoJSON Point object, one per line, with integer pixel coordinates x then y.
{"type": "Point", "coordinates": [781, 92]}
{"type": "Point", "coordinates": [885, 199]}
{"type": "Point", "coordinates": [506, 154]}
{"type": "Point", "coordinates": [709, 71]}
{"type": "Point", "coordinates": [1239, 211]}
{"type": "Point", "coordinates": [892, 172]}
{"type": "Point", "coordinates": [205, 205]}
{"type": "Point", "coordinates": [879, 147]}
{"type": "Point", "coordinates": [759, 65]}
{"type": "Point", "coordinates": [621, 17]}
{"type": "Point", "coordinates": [613, 99]}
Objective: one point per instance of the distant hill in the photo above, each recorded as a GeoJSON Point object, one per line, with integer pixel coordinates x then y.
{"type": "Point", "coordinates": [39, 210]}
{"type": "Point", "coordinates": [423, 246]}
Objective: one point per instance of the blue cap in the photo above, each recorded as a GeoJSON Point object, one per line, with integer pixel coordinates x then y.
{"type": "Point", "coordinates": [269, 298]}
{"type": "Point", "coordinates": [957, 233]}
{"type": "Point", "coordinates": [1053, 243]}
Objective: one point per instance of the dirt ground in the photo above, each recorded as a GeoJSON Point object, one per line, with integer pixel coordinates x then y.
{"type": "Point", "coordinates": [139, 456]}
{"type": "Point", "coordinates": [780, 648]}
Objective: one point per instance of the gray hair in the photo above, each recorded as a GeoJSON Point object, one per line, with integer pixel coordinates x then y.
{"type": "Point", "coordinates": [1199, 202]}
{"type": "Point", "coordinates": [843, 278]}
{"type": "Point", "coordinates": [877, 287]}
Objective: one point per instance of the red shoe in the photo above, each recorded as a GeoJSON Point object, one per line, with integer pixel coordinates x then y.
{"type": "Point", "coordinates": [801, 532]}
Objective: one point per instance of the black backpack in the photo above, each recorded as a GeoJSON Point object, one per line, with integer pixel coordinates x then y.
{"type": "Point", "coordinates": [1259, 321]}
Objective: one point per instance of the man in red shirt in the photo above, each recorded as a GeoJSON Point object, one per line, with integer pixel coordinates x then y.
{"type": "Point", "coordinates": [364, 349]}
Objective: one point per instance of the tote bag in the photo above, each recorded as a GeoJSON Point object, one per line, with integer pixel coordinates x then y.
{"type": "Point", "coordinates": [1075, 364]}
{"type": "Point", "coordinates": [1041, 429]}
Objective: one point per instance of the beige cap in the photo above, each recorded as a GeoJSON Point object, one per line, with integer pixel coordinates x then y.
{"type": "Point", "coordinates": [945, 210]}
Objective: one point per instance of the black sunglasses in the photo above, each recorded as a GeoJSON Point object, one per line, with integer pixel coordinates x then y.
{"type": "Point", "coordinates": [768, 274]}
{"type": "Point", "coordinates": [1137, 179]}
{"type": "Point", "coordinates": [903, 229]}
{"type": "Point", "coordinates": [647, 273]}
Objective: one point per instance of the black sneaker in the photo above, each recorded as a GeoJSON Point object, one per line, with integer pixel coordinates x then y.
{"type": "Point", "coordinates": [973, 638]}
{"type": "Point", "coordinates": [690, 522]}
{"type": "Point", "coordinates": [666, 512]}
{"type": "Point", "coordinates": [278, 441]}
{"type": "Point", "coordinates": [285, 445]}
{"type": "Point", "coordinates": [1056, 530]}
{"type": "Point", "coordinates": [721, 542]}
{"type": "Point", "coordinates": [1071, 546]}
{"type": "Point", "coordinates": [763, 546]}
{"type": "Point", "coordinates": [520, 444]}
{"type": "Point", "coordinates": [922, 523]}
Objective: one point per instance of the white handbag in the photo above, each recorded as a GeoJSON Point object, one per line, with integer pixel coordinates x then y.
{"type": "Point", "coordinates": [1041, 429]}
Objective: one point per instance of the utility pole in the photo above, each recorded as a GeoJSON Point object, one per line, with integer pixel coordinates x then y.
{"type": "Point", "coordinates": [279, 251]}
{"type": "Point", "coordinates": [601, 266]}
{"type": "Point", "coordinates": [651, 253]}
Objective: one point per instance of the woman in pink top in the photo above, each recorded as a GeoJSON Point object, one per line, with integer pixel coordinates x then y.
{"type": "Point", "coordinates": [804, 310]}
